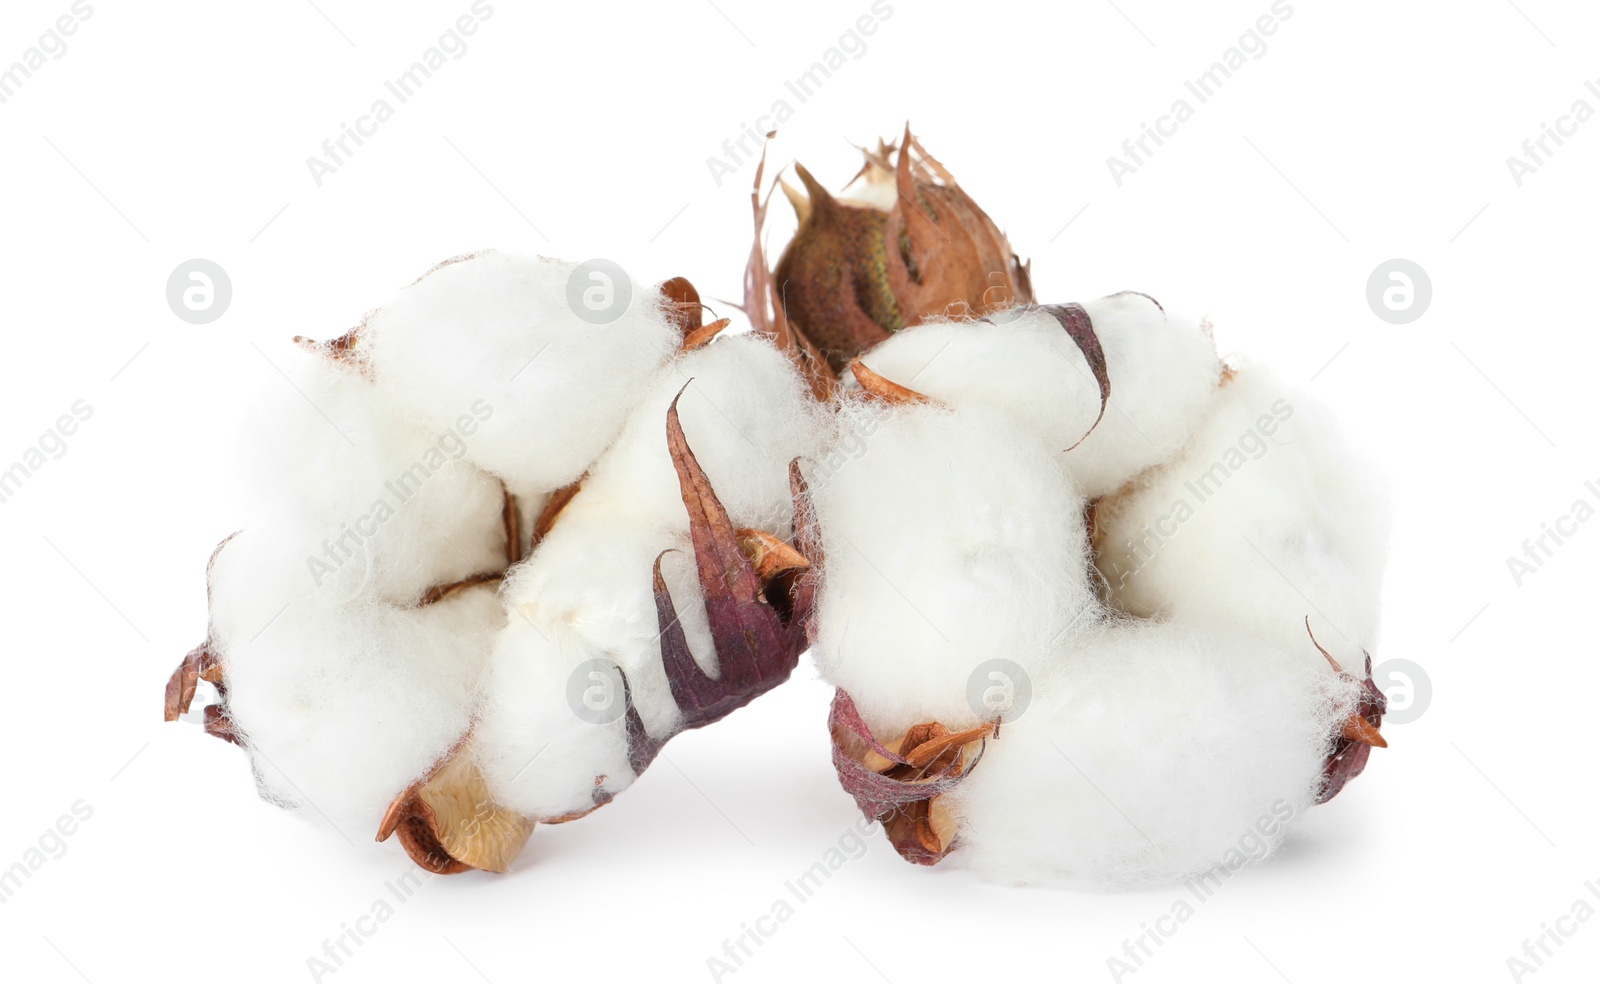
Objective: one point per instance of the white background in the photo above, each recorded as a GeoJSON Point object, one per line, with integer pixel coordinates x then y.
{"type": "Point", "coordinates": [1366, 131]}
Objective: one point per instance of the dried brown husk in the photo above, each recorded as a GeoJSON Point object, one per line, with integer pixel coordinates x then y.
{"type": "Point", "coordinates": [763, 305]}
{"type": "Point", "coordinates": [853, 273]}
{"type": "Point", "coordinates": [1358, 733]}
{"type": "Point", "coordinates": [448, 823]}
{"type": "Point", "coordinates": [902, 783]}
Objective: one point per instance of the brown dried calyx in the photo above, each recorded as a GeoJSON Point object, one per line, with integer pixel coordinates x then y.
{"type": "Point", "coordinates": [857, 271]}
{"type": "Point", "coordinates": [448, 823]}
{"type": "Point", "coordinates": [1358, 733]}
{"type": "Point", "coordinates": [902, 787]}
{"type": "Point", "coordinates": [684, 309]}
{"type": "Point", "coordinates": [763, 305]}
{"type": "Point", "coordinates": [885, 390]}
{"type": "Point", "coordinates": [201, 664]}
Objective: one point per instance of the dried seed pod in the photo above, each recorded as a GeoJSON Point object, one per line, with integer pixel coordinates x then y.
{"type": "Point", "coordinates": [910, 245]}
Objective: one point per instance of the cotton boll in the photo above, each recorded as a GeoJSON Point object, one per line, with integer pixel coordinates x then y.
{"type": "Point", "coordinates": [492, 337]}
{"type": "Point", "coordinates": [1163, 371]}
{"type": "Point", "coordinates": [587, 595]}
{"type": "Point", "coordinates": [1266, 518]}
{"type": "Point", "coordinates": [365, 503]}
{"type": "Point", "coordinates": [344, 705]}
{"type": "Point", "coordinates": [950, 540]}
{"type": "Point", "coordinates": [746, 413]}
{"type": "Point", "coordinates": [1150, 752]}
{"type": "Point", "coordinates": [550, 735]}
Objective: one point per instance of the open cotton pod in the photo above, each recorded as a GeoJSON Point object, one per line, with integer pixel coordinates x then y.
{"type": "Point", "coordinates": [901, 244]}
{"type": "Point", "coordinates": [412, 465]}
{"type": "Point", "coordinates": [1268, 490]}
{"type": "Point", "coordinates": [1000, 704]}
{"type": "Point", "coordinates": [645, 612]}
{"type": "Point", "coordinates": [1150, 751]}
{"type": "Point", "coordinates": [347, 627]}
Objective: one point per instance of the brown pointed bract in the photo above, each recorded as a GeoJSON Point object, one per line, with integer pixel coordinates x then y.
{"type": "Point", "coordinates": [758, 638]}
{"type": "Point", "coordinates": [853, 273]}
{"type": "Point", "coordinates": [552, 510]}
{"type": "Point", "coordinates": [183, 682]}
{"type": "Point", "coordinates": [1080, 328]}
{"type": "Point", "coordinates": [1358, 729]}
{"type": "Point", "coordinates": [200, 663]}
{"type": "Point", "coordinates": [1358, 733]}
{"type": "Point", "coordinates": [880, 388]}
{"type": "Point", "coordinates": [682, 303]}
{"type": "Point", "coordinates": [703, 335]}
{"type": "Point", "coordinates": [763, 305]}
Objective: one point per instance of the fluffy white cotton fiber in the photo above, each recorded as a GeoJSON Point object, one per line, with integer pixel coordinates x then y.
{"type": "Point", "coordinates": [342, 704]}
{"type": "Point", "coordinates": [344, 689]}
{"type": "Point", "coordinates": [363, 504]}
{"type": "Point", "coordinates": [951, 539]}
{"type": "Point", "coordinates": [1266, 517]}
{"type": "Point", "coordinates": [1164, 373]}
{"type": "Point", "coordinates": [496, 330]}
{"type": "Point", "coordinates": [550, 732]}
{"type": "Point", "coordinates": [1148, 753]}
